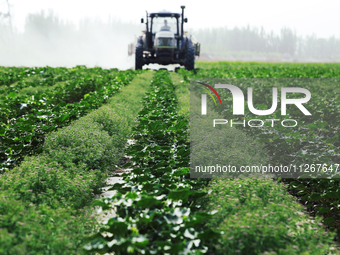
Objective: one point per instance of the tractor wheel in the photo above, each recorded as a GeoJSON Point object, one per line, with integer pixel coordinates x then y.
{"type": "Point", "coordinates": [139, 58]}
{"type": "Point", "coordinates": [190, 58]}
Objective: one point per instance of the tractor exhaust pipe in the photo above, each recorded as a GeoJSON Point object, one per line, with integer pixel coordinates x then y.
{"type": "Point", "coordinates": [182, 21]}
{"type": "Point", "coordinates": [147, 22]}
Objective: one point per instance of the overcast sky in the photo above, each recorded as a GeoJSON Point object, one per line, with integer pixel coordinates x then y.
{"type": "Point", "coordinates": [305, 16]}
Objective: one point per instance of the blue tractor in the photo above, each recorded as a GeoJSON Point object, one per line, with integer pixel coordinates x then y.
{"type": "Point", "coordinates": [165, 42]}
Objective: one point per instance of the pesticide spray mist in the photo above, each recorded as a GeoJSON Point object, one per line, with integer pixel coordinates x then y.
{"type": "Point", "coordinates": [47, 40]}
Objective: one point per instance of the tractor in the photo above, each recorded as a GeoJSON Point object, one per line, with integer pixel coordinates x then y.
{"type": "Point", "coordinates": [165, 42]}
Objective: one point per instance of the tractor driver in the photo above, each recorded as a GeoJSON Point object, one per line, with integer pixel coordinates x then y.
{"type": "Point", "coordinates": [165, 27]}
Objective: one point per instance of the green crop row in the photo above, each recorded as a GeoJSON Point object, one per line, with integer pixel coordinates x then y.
{"type": "Point", "coordinates": [255, 216]}
{"type": "Point", "coordinates": [46, 194]}
{"type": "Point", "coordinates": [313, 141]}
{"type": "Point", "coordinates": [20, 100]}
{"type": "Point", "coordinates": [26, 120]}
{"type": "Point", "coordinates": [258, 216]}
{"type": "Point", "coordinates": [45, 202]}
{"type": "Point", "coordinates": [226, 69]}
{"type": "Point", "coordinates": [22, 80]}
{"type": "Point", "coordinates": [156, 209]}
{"type": "Point", "coordinates": [16, 78]}
{"type": "Point", "coordinates": [9, 75]}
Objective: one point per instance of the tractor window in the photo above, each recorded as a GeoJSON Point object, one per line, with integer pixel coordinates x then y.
{"type": "Point", "coordinates": [165, 24]}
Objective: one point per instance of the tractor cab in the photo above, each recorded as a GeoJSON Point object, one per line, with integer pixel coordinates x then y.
{"type": "Point", "coordinates": [165, 42]}
{"type": "Point", "coordinates": [163, 31]}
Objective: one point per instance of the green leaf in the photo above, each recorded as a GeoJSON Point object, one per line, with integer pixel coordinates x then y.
{"type": "Point", "coordinates": [180, 195]}
{"type": "Point", "coordinates": [63, 118]}
{"type": "Point", "coordinates": [132, 195]}
{"type": "Point", "coordinates": [329, 221]}
{"type": "Point", "coordinates": [209, 234]}
{"type": "Point", "coordinates": [323, 210]}
{"type": "Point", "coordinates": [315, 196]}
{"type": "Point", "coordinates": [12, 94]}
{"type": "Point", "coordinates": [147, 202]}
{"type": "Point", "coordinates": [117, 227]}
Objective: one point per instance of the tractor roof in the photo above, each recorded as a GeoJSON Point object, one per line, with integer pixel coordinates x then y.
{"type": "Point", "coordinates": [164, 14]}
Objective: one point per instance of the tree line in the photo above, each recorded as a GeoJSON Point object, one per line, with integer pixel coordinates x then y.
{"type": "Point", "coordinates": [246, 39]}
{"type": "Point", "coordinates": [96, 42]}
